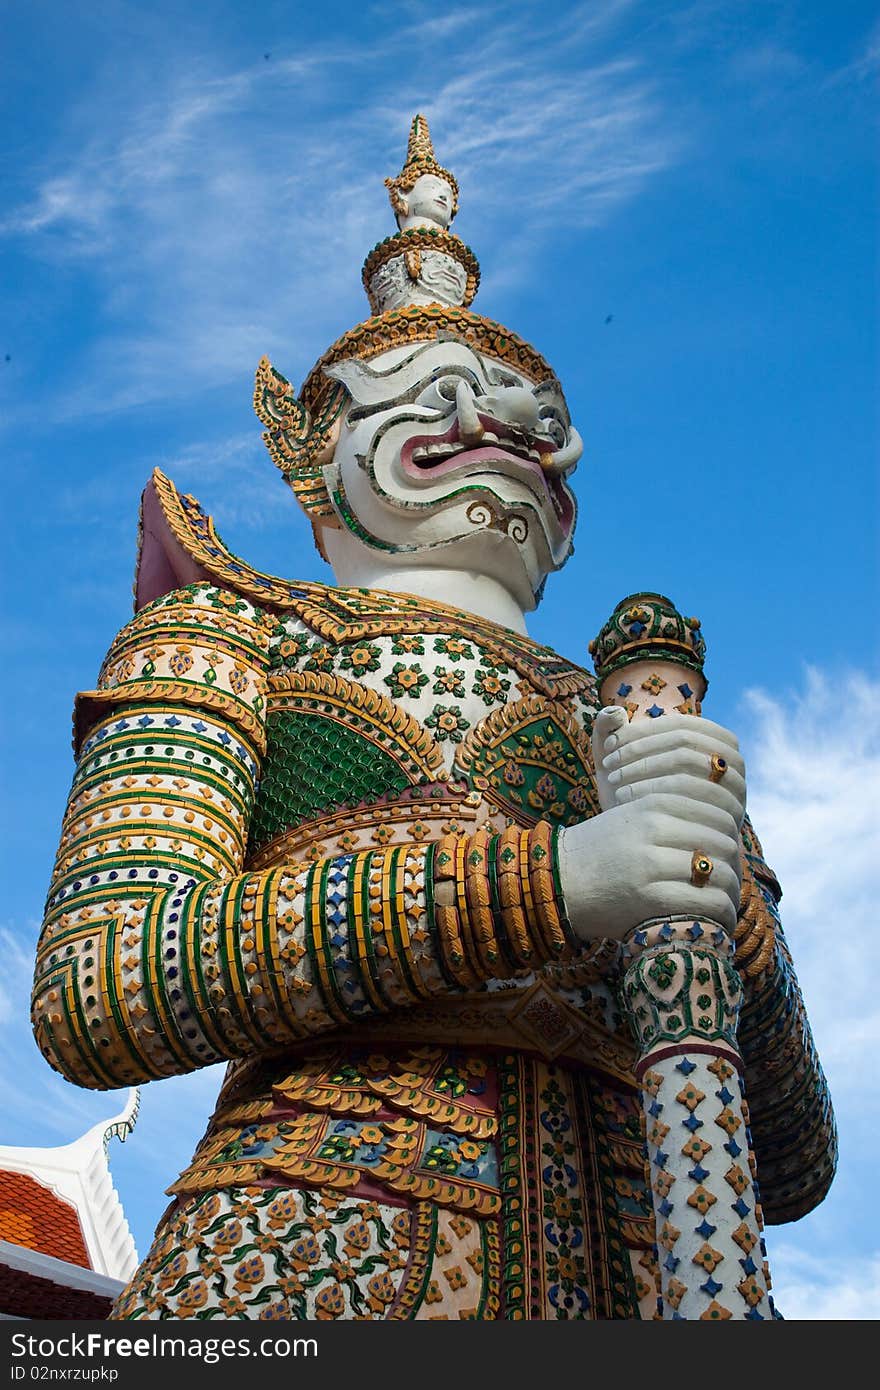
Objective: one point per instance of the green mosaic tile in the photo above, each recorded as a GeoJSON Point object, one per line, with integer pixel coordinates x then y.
{"type": "Point", "coordinates": [312, 764]}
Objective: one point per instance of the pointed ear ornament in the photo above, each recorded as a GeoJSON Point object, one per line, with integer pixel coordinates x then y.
{"type": "Point", "coordinates": [297, 439]}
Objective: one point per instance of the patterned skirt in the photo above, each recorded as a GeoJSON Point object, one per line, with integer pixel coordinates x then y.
{"type": "Point", "coordinates": [419, 1182]}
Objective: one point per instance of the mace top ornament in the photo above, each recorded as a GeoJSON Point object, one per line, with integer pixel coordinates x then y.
{"type": "Point", "coordinates": [647, 626]}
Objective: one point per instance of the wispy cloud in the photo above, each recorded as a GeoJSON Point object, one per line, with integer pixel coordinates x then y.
{"type": "Point", "coordinates": [866, 63]}
{"type": "Point", "coordinates": [767, 64]}
{"type": "Point", "coordinates": [227, 212]}
{"type": "Point", "coordinates": [234, 469]}
{"type": "Point", "coordinates": [38, 1107]}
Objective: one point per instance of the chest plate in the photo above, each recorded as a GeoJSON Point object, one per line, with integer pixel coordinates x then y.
{"type": "Point", "coordinates": [424, 727]}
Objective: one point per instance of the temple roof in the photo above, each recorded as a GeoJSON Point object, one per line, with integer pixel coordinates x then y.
{"type": "Point", "coordinates": [32, 1215]}
{"type": "Point", "coordinates": [60, 1202]}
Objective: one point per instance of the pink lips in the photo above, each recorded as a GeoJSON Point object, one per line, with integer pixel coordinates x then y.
{"type": "Point", "coordinates": [484, 453]}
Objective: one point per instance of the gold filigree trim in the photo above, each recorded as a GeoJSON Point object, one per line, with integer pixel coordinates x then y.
{"type": "Point", "coordinates": [486, 756]}
{"type": "Point", "coordinates": [298, 440]}
{"type": "Point", "coordinates": [407, 1089]}
{"type": "Point", "coordinates": [349, 697]}
{"type": "Point", "coordinates": [403, 613]}
{"type": "Point", "coordinates": [91, 704]}
{"type": "Point", "coordinates": [195, 532]}
{"type": "Point", "coordinates": [242, 1113]}
{"type": "Point", "coordinates": [412, 1089]}
{"type": "Point", "coordinates": [182, 616]}
{"type": "Point", "coordinates": [403, 822]}
{"type": "Point", "coordinates": [338, 1100]}
{"type": "Point", "coordinates": [508, 720]}
{"type": "Point", "coordinates": [403, 1139]}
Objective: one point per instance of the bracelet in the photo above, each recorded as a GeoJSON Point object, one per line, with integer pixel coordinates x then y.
{"type": "Point", "coordinates": [320, 948]}
{"type": "Point", "coordinates": [397, 926]}
{"type": "Point", "coordinates": [446, 916]}
{"type": "Point", "coordinates": [408, 917]}
{"type": "Point", "coordinates": [478, 893]}
{"type": "Point", "coordinates": [363, 944]}
{"type": "Point", "coordinates": [542, 850]}
{"type": "Point", "coordinates": [496, 904]}
{"type": "Point", "coordinates": [432, 913]}
{"type": "Point", "coordinates": [511, 895]}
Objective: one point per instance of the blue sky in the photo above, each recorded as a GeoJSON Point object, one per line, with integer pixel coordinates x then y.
{"type": "Point", "coordinates": [185, 189]}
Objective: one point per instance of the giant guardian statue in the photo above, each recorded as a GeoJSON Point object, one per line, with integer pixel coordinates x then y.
{"type": "Point", "coordinates": [487, 941]}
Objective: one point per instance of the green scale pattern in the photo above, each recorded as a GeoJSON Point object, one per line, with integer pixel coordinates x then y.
{"type": "Point", "coordinates": [312, 765]}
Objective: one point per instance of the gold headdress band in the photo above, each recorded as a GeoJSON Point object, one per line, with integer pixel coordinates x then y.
{"type": "Point", "coordinates": [419, 160]}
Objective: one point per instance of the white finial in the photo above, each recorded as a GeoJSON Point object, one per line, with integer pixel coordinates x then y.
{"type": "Point", "coordinates": [122, 1125]}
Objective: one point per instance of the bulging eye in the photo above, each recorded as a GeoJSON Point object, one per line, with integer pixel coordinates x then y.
{"type": "Point", "coordinates": [554, 429]}
{"type": "Point", "coordinates": [440, 393]}
{"type": "Point", "coordinates": [446, 388]}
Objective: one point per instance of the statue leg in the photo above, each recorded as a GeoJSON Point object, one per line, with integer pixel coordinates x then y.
{"type": "Point", "coordinates": [282, 1253]}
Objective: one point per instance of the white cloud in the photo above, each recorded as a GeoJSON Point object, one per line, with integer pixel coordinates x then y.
{"type": "Point", "coordinates": [821, 1290]}
{"type": "Point", "coordinates": [814, 768]}
{"type": "Point", "coordinates": [814, 771]}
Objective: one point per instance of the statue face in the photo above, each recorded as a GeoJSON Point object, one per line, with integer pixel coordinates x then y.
{"type": "Point", "coordinates": [447, 454]}
{"type": "Point", "coordinates": [429, 200]}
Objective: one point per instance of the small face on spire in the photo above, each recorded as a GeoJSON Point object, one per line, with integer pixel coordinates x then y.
{"type": "Point", "coordinates": [429, 203]}
{"type": "Point", "coordinates": [423, 194]}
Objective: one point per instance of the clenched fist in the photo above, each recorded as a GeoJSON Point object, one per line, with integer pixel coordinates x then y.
{"type": "Point", "coordinates": [670, 789]}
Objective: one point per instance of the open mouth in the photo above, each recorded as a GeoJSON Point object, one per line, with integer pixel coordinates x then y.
{"type": "Point", "coordinates": [444, 453]}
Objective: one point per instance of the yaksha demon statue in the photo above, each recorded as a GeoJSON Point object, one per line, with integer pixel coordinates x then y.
{"type": "Point", "coordinates": [488, 944]}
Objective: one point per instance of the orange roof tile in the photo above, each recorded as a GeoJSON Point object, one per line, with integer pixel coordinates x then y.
{"type": "Point", "coordinates": [33, 1216]}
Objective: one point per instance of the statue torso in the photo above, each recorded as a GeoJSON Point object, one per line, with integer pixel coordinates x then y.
{"type": "Point", "coordinates": [393, 720]}
{"type": "Point", "coordinates": [396, 721]}
{"type": "Point", "coordinates": [407, 706]}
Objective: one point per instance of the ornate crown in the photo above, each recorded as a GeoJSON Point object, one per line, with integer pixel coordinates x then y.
{"type": "Point", "coordinates": [420, 283]}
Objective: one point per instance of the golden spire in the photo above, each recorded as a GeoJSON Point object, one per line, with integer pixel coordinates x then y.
{"type": "Point", "coordinates": [419, 160]}
{"type": "Point", "coordinates": [420, 149]}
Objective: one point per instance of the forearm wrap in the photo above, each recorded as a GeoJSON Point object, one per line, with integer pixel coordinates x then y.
{"type": "Point", "coordinates": [499, 903]}
{"type": "Point", "coordinates": [159, 956]}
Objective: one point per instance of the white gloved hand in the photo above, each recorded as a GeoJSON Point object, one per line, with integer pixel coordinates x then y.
{"type": "Point", "coordinates": [634, 862]}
